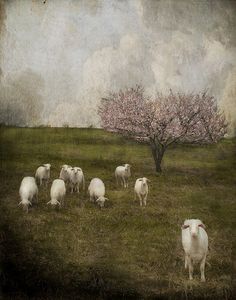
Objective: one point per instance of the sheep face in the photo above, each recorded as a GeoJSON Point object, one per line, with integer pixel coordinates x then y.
{"type": "Point", "coordinates": [25, 205]}
{"type": "Point", "coordinates": [145, 181]}
{"type": "Point", "coordinates": [127, 169]}
{"type": "Point", "coordinates": [193, 227]}
{"type": "Point", "coordinates": [47, 166]}
{"type": "Point", "coordinates": [77, 170]}
{"type": "Point", "coordinates": [65, 167]}
{"type": "Point", "coordinates": [101, 200]}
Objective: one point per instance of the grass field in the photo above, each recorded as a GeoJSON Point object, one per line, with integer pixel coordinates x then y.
{"type": "Point", "coordinates": [123, 251]}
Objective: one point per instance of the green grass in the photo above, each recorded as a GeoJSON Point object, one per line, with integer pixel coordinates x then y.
{"type": "Point", "coordinates": [123, 251]}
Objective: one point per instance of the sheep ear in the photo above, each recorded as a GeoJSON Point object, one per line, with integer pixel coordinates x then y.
{"type": "Point", "coordinates": [202, 225]}
{"type": "Point", "coordinates": [184, 226]}
{"type": "Point", "coordinates": [107, 199]}
{"type": "Point", "coordinates": [140, 179]}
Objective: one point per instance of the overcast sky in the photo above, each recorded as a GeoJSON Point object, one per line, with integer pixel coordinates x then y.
{"type": "Point", "coordinates": [59, 58]}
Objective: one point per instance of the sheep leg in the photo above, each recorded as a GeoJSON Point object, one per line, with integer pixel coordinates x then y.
{"type": "Point", "coordinates": [190, 268]}
{"type": "Point", "coordinates": [124, 182]}
{"type": "Point", "coordinates": [145, 200]}
{"type": "Point", "coordinates": [202, 269]}
{"type": "Point", "coordinates": [62, 201]}
{"type": "Point", "coordinates": [71, 189]}
{"type": "Point", "coordinates": [140, 200]}
{"type": "Point", "coordinates": [117, 181]}
{"type": "Point", "coordinates": [37, 198]}
{"type": "Point", "coordinates": [185, 262]}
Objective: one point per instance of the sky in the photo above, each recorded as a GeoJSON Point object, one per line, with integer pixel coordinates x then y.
{"type": "Point", "coordinates": [59, 58]}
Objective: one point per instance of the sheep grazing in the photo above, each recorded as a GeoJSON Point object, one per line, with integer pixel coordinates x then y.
{"type": "Point", "coordinates": [76, 179]}
{"type": "Point", "coordinates": [195, 244]}
{"type": "Point", "coordinates": [28, 192]}
{"type": "Point", "coordinates": [122, 174]}
{"type": "Point", "coordinates": [141, 190]}
{"type": "Point", "coordinates": [43, 174]}
{"type": "Point", "coordinates": [96, 191]}
{"type": "Point", "coordinates": [57, 193]}
{"type": "Point", "coordinates": [64, 173]}
{"type": "Point", "coordinates": [101, 200]}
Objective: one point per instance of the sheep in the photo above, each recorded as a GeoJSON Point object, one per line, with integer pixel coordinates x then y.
{"type": "Point", "coordinates": [195, 244]}
{"type": "Point", "coordinates": [43, 174]}
{"type": "Point", "coordinates": [96, 191]}
{"type": "Point", "coordinates": [58, 191]}
{"type": "Point", "coordinates": [122, 173]}
{"type": "Point", "coordinates": [64, 173]}
{"type": "Point", "coordinates": [141, 190]}
{"type": "Point", "coordinates": [28, 192]}
{"type": "Point", "coordinates": [76, 179]}
{"type": "Point", "coordinates": [101, 200]}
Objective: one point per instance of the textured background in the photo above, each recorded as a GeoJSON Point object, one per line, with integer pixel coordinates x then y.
{"type": "Point", "coordinates": [59, 58]}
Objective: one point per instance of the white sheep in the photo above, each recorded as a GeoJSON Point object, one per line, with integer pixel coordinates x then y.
{"type": "Point", "coordinates": [195, 244]}
{"type": "Point", "coordinates": [43, 174]}
{"type": "Point", "coordinates": [28, 192]}
{"type": "Point", "coordinates": [57, 193]}
{"type": "Point", "coordinates": [64, 173]}
{"type": "Point", "coordinates": [96, 191]}
{"type": "Point", "coordinates": [101, 200]}
{"type": "Point", "coordinates": [141, 190]}
{"type": "Point", "coordinates": [122, 174]}
{"type": "Point", "coordinates": [76, 179]}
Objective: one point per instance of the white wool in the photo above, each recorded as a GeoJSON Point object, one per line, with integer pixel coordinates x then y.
{"type": "Point", "coordinates": [57, 192]}
{"type": "Point", "coordinates": [28, 192]}
{"type": "Point", "coordinates": [64, 173]}
{"type": "Point", "coordinates": [141, 190]}
{"type": "Point", "coordinates": [96, 189]}
{"type": "Point", "coordinates": [43, 173]}
{"type": "Point", "coordinates": [195, 244]}
{"type": "Point", "coordinates": [122, 174]}
{"type": "Point", "coordinates": [77, 180]}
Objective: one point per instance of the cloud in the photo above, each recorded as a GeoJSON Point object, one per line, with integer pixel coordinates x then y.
{"type": "Point", "coordinates": [228, 101]}
{"type": "Point", "coordinates": [84, 49]}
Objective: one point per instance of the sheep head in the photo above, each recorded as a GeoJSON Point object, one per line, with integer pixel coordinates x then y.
{"type": "Point", "coordinates": [193, 226]}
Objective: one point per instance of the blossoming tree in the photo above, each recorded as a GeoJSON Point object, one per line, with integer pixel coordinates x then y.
{"type": "Point", "coordinates": [163, 121]}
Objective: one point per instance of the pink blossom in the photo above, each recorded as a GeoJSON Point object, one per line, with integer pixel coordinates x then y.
{"type": "Point", "coordinates": [164, 120]}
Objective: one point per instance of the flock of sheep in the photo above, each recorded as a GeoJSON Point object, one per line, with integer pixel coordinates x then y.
{"type": "Point", "coordinates": [194, 236]}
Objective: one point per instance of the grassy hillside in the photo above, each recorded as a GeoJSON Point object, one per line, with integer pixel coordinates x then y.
{"type": "Point", "coordinates": [123, 251]}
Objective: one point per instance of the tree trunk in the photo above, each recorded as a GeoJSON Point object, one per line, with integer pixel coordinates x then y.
{"type": "Point", "coordinates": [157, 153]}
